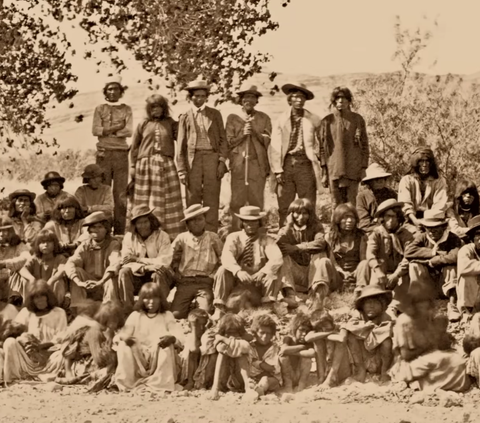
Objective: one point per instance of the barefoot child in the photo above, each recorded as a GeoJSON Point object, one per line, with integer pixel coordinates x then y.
{"type": "Point", "coordinates": [233, 360]}
{"type": "Point", "coordinates": [368, 333]}
{"type": "Point", "coordinates": [265, 367]}
{"type": "Point", "coordinates": [198, 321]}
{"type": "Point", "coordinates": [296, 354]}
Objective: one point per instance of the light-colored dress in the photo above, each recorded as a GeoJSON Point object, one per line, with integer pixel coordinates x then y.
{"type": "Point", "coordinates": [18, 364]}
{"type": "Point", "coordinates": [144, 363]}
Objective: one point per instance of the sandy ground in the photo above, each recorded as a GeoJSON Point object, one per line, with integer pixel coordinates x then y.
{"type": "Point", "coordinates": [368, 403]}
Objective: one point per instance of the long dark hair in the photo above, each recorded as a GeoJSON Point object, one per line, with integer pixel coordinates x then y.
{"type": "Point", "coordinates": [13, 213]}
{"type": "Point", "coordinates": [298, 206]}
{"type": "Point", "coordinates": [462, 187]}
{"type": "Point", "coordinates": [158, 100]}
{"type": "Point", "coordinates": [150, 290]}
{"type": "Point", "coordinates": [416, 157]}
{"type": "Point", "coordinates": [46, 235]}
{"type": "Point", "coordinates": [63, 203]}
{"type": "Point", "coordinates": [338, 214]}
{"type": "Point", "coordinates": [38, 289]}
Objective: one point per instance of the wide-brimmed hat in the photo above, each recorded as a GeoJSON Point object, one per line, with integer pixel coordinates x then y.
{"type": "Point", "coordinates": [140, 211]}
{"type": "Point", "coordinates": [198, 84]}
{"type": "Point", "coordinates": [113, 79]}
{"type": "Point", "coordinates": [92, 171]}
{"type": "Point", "coordinates": [21, 193]}
{"type": "Point", "coordinates": [372, 291]}
{"type": "Point", "coordinates": [473, 224]}
{"type": "Point", "coordinates": [387, 205]}
{"type": "Point", "coordinates": [287, 88]}
{"type": "Point", "coordinates": [433, 218]}
{"type": "Point", "coordinates": [250, 213]}
{"type": "Point", "coordinates": [52, 176]}
{"type": "Point", "coordinates": [193, 211]}
{"type": "Point", "coordinates": [375, 171]}
{"type": "Point", "coordinates": [95, 217]}
{"type": "Point", "coordinates": [249, 89]}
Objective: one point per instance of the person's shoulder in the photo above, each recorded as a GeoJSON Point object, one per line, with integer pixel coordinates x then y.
{"type": "Point", "coordinates": [314, 118]}
{"type": "Point", "coordinates": [59, 312]}
{"type": "Point", "coordinates": [261, 114]}
{"type": "Point", "coordinates": [211, 235]}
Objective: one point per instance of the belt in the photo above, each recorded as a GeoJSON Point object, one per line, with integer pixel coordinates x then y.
{"type": "Point", "coordinates": [196, 278]}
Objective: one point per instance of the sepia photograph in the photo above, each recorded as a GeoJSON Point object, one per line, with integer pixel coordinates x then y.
{"type": "Point", "coordinates": [239, 211]}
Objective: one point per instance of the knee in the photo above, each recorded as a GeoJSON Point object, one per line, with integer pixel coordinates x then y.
{"type": "Point", "coordinates": [386, 347]}
{"type": "Point", "coordinates": [125, 271]}
{"type": "Point", "coordinates": [179, 314]}
{"type": "Point", "coordinates": [9, 344]}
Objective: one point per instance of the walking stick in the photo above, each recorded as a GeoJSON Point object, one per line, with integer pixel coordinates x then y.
{"type": "Point", "coordinates": [247, 153]}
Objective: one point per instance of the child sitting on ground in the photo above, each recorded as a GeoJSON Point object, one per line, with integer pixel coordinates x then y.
{"type": "Point", "coordinates": [368, 333]}
{"type": "Point", "coordinates": [296, 354]}
{"type": "Point", "coordinates": [329, 350]}
{"type": "Point", "coordinates": [265, 367]}
{"type": "Point", "coordinates": [198, 320]}
{"type": "Point", "coordinates": [233, 360]}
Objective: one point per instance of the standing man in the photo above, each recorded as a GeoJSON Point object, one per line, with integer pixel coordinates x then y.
{"type": "Point", "coordinates": [113, 124]}
{"type": "Point", "coordinates": [344, 149]}
{"type": "Point", "coordinates": [292, 151]}
{"type": "Point", "coordinates": [248, 137]}
{"type": "Point", "coordinates": [202, 152]}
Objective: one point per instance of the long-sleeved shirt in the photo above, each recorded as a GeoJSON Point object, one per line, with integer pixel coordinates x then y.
{"type": "Point", "coordinates": [68, 234]}
{"type": "Point", "coordinates": [40, 270]}
{"type": "Point", "coordinates": [95, 258]}
{"type": "Point", "coordinates": [28, 232]}
{"type": "Point", "coordinates": [434, 198]}
{"type": "Point", "coordinates": [367, 204]}
{"type": "Point", "coordinates": [156, 249]}
{"type": "Point", "coordinates": [154, 137]}
{"type": "Point", "coordinates": [14, 258]}
{"type": "Point", "coordinates": [385, 251]}
{"type": "Point", "coordinates": [197, 255]}
{"type": "Point", "coordinates": [237, 140]}
{"type": "Point", "coordinates": [468, 261]}
{"type": "Point", "coordinates": [423, 248]}
{"type": "Point", "coordinates": [45, 204]}
{"type": "Point", "coordinates": [309, 241]}
{"type": "Point", "coordinates": [267, 257]}
{"type": "Point", "coordinates": [100, 199]}
{"type": "Point", "coordinates": [108, 115]}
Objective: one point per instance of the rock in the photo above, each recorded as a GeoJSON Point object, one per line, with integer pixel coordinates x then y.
{"type": "Point", "coordinates": [53, 387]}
{"type": "Point", "coordinates": [250, 396]}
{"type": "Point", "coordinates": [417, 398]}
{"type": "Point", "coordinates": [287, 397]}
{"type": "Point", "coordinates": [169, 420]}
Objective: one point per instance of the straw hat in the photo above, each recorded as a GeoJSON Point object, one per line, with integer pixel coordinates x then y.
{"type": "Point", "coordinates": [370, 291]}
{"type": "Point", "coordinates": [249, 89]}
{"type": "Point", "coordinates": [193, 211]}
{"type": "Point", "coordinates": [250, 213]}
{"type": "Point", "coordinates": [287, 88]}
{"type": "Point", "coordinates": [21, 193]}
{"type": "Point", "coordinates": [433, 218]}
{"type": "Point", "coordinates": [95, 217]}
{"type": "Point", "coordinates": [51, 177]}
{"type": "Point", "coordinates": [198, 84]}
{"type": "Point", "coordinates": [375, 171]}
{"type": "Point", "coordinates": [387, 205]}
{"type": "Point", "coordinates": [141, 211]}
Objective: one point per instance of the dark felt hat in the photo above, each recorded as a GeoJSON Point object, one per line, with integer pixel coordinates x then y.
{"type": "Point", "coordinates": [51, 177]}
{"type": "Point", "coordinates": [22, 193]}
{"type": "Point", "coordinates": [370, 291]}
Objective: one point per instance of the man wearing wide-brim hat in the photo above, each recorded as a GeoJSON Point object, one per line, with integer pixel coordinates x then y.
{"type": "Point", "coordinates": [196, 258]}
{"type": "Point", "coordinates": [93, 268]}
{"type": "Point", "coordinates": [344, 149]}
{"type": "Point", "coordinates": [373, 191]}
{"type": "Point", "coordinates": [386, 252]}
{"type": "Point", "coordinates": [146, 255]}
{"type": "Point", "coordinates": [249, 257]}
{"type": "Point", "coordinates": [432, 257]}
{"type": "Point", "coordinates": [202, 152]}
{"type": "Point", "coordinates": [94, 195]}
{"type": "Point", "coordinates": [292, 151]}
{"type": "Point", "coordinates": [113, 124]}
{"type": "Point", "coordinates": [468, 269]}
{"type": "Point", "coordinates": [45, 203]}
{"type": "Point", "coordinates": [248, 136]}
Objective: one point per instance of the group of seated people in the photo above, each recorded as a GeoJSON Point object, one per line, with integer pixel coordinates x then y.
{"type": "Point", "coordinates": [93, 308]}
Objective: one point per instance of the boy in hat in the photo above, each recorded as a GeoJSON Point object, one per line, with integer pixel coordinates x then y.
{"type": "Point", "coordinates": [93, 268]}
{"type": "Point", "coordinates": [45, 203]}
{"type": "Point", "coordinates": [432, 257]}
{"type": "Point", "coordinates": [386, 251]}
{"type": "Point", "coordinates": [202, 152]}
{"type": "Point", "coordinates": [94, 195]}
{"type": "Point", "coordinates": [196, 257]}
{"type": "Point", "coordinates": [374, 191]}
{"type": "Point", "coordinates": [113, 124]}
{"type": "Point", "coordinates": [249, 257]}
{"type": "Point", "coordinates": [146, 255]}
{"type": "Point", "coordinates": [248, 137]}
{"type": "Point", "coordinates": [469, 269]}
{"type": "Point", "coordinates": [292, 151]}
{"type": "Point", "coordinates": [344, 149]}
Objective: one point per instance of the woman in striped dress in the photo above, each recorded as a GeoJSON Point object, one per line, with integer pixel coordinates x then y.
{"type": "Point", "coordinates": [153, 168]}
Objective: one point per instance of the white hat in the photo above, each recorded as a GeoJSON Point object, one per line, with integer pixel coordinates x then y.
{"type": "Point", "coordinates": [113, 79]}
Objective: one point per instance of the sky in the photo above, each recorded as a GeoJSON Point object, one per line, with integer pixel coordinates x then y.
{"type": "Point", "coordinates": [320, 37]}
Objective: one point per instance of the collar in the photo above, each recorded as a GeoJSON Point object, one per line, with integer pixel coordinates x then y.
{"type": "Point", "coordinates": [246, 115]}
{"type": "Point", "coordinates": [297, 113]}
{"type": "Point", "coordinates": [442, 239]}
{"type": "Point", "coordinates": [197, 238]}
{"type": "Point", "coordinates": [298, 228]}
{"type": "Point", "coordinates": [92, 245]}
{"type": "Point", "coordinates": [199, 109]}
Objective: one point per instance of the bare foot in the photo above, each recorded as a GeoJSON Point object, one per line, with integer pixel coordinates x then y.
{"type": "Point", "coordinates": [360, 375]}
{"type": "Point", "coordinates": [214, 395]}
{"type": "Point", "coordinates": [384, 377]}
{"type": "Point", "coordinates": [189, 386]}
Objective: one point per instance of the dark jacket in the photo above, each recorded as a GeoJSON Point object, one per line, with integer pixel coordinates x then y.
{"type": "Point", "coordinates": [367, 204]}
